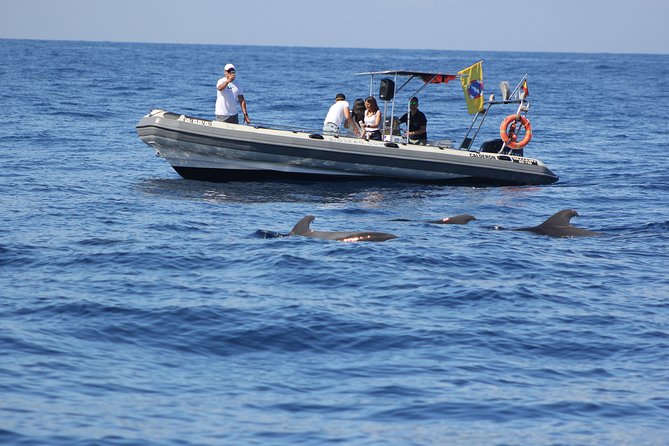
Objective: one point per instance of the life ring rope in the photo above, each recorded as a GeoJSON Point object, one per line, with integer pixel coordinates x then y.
{"type": "Point", "coordinates": [511, 126]}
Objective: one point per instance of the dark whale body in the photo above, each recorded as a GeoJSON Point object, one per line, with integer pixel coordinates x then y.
{"type": "Point", "coordinates": [461, 219]}
{"type": "Point", "coordinates": [559, 225]}
{"type": "Point", "coordinates": [303, 228]}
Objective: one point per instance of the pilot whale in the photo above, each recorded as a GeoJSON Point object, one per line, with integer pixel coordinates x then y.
{"type": "Point", "coordinates": [559, 225]}
{"type": "Point", "coordinates": [303, 228]}
{"type": "Point", "coordinates": [461, 219]}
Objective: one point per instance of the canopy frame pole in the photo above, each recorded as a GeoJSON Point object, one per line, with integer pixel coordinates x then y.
{"type": "Point", "coordinates": [392, 111]}
{"type": "Point", "coordinates": [406, 138]}
{"type": "Point", "coordinates": [404, 84]}
{"type": "Point", "coordinates": [385, 112]}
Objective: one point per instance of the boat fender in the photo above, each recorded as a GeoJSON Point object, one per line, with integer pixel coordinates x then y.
{"type": "Point", "coordinates": [509, 131]}
{"type": "Point", "coordinates": [315, 136]}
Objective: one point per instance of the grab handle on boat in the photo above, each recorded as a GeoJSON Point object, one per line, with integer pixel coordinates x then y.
{"type": "Point", "coordinates": [504, 88]}
{"type": "Point", "coordinates": [316, 136]}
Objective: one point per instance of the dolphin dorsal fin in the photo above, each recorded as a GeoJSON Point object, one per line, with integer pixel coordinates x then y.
{"type": "Point", "coordinates": [562, 218]}
{"type": "Point", "coordinates": [302, 226]}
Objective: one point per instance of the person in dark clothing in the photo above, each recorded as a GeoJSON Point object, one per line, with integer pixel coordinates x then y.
{"type": "Point", "coordinates": [358, 111]}
{"type": "Point", "coordinates": [417, 132]}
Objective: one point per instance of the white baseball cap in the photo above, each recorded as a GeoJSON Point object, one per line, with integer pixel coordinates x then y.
{"type": "Point", "coordinates": [229, 67]}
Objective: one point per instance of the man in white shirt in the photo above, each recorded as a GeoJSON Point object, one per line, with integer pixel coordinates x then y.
{"type": "Point", "coordinates": [227, 96]}
{"type": "Point", "coordinates": [338, 115]}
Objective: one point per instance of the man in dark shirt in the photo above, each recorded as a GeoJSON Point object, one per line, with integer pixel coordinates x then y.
{"type": "Point", "coordinates": [417, 123]}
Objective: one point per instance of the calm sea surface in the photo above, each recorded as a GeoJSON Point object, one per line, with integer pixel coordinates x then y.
{"type": "Point", "coordinates": [138, 308]}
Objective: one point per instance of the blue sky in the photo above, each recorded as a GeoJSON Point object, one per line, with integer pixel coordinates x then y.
{"type": "Point", "coordinates": [612, 26]}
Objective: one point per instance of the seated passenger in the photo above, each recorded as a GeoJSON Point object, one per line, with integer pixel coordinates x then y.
{"type": "Point", "coordinates": [372, 120]}
{"type": "Point", "coordinates": [358, 112]}
{"type": "Point", "coordinates": [417, 123]}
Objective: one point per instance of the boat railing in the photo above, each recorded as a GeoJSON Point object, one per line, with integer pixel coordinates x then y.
{"type": "Point", "coordinates": [515, 97]}
{"type": "Point", "coordinates": [288, 128]}
{"type": "Point", "coordinates": [309, 130]}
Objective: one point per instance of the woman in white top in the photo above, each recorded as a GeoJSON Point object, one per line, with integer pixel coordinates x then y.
{"type": "Point", "coordinates": [372, 119]}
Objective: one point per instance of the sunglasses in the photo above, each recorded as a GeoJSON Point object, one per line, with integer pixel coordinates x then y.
{"type": "Point", "coordinates": [231, 71]}
{"type": "Point", "coordinates": [413, 103]}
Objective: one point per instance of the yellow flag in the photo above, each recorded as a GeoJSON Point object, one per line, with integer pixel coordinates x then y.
{"type": "Point", "coordinates": [472, 85]}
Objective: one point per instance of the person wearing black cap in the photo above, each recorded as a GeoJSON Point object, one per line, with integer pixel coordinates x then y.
{"type": "Point", "coordinates": [417, 123]}
{"type": "Point", "coordinates": [339, 115]}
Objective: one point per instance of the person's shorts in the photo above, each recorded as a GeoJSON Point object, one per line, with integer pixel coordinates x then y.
{"type": "Point", "coordinates": [330, 127]}
{"type": "Point", "coordinates": [232, 119]}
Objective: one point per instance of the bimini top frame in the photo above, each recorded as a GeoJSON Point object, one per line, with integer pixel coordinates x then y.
{"type": "Point", "coordinates": [426, 77]}
{"type": "Point", "coordinates": [517, 96]}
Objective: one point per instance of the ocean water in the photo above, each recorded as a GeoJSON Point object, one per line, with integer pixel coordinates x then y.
{"type": "Point", "coordinates": [138, 308]}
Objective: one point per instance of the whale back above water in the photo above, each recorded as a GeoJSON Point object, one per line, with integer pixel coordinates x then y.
{"type": "Point", "coordinates": [559, 225]}
{"type": "Point", "coordinates": [303, 228]}
{"type": "Point", "coordinates": [461, 219]}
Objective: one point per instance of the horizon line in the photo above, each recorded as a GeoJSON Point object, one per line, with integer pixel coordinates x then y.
{"type": "Point", "coordinates": [140, 42]}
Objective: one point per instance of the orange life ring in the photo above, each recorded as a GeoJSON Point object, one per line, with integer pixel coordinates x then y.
{"type": "Point", "coordinates": [509, 132]}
